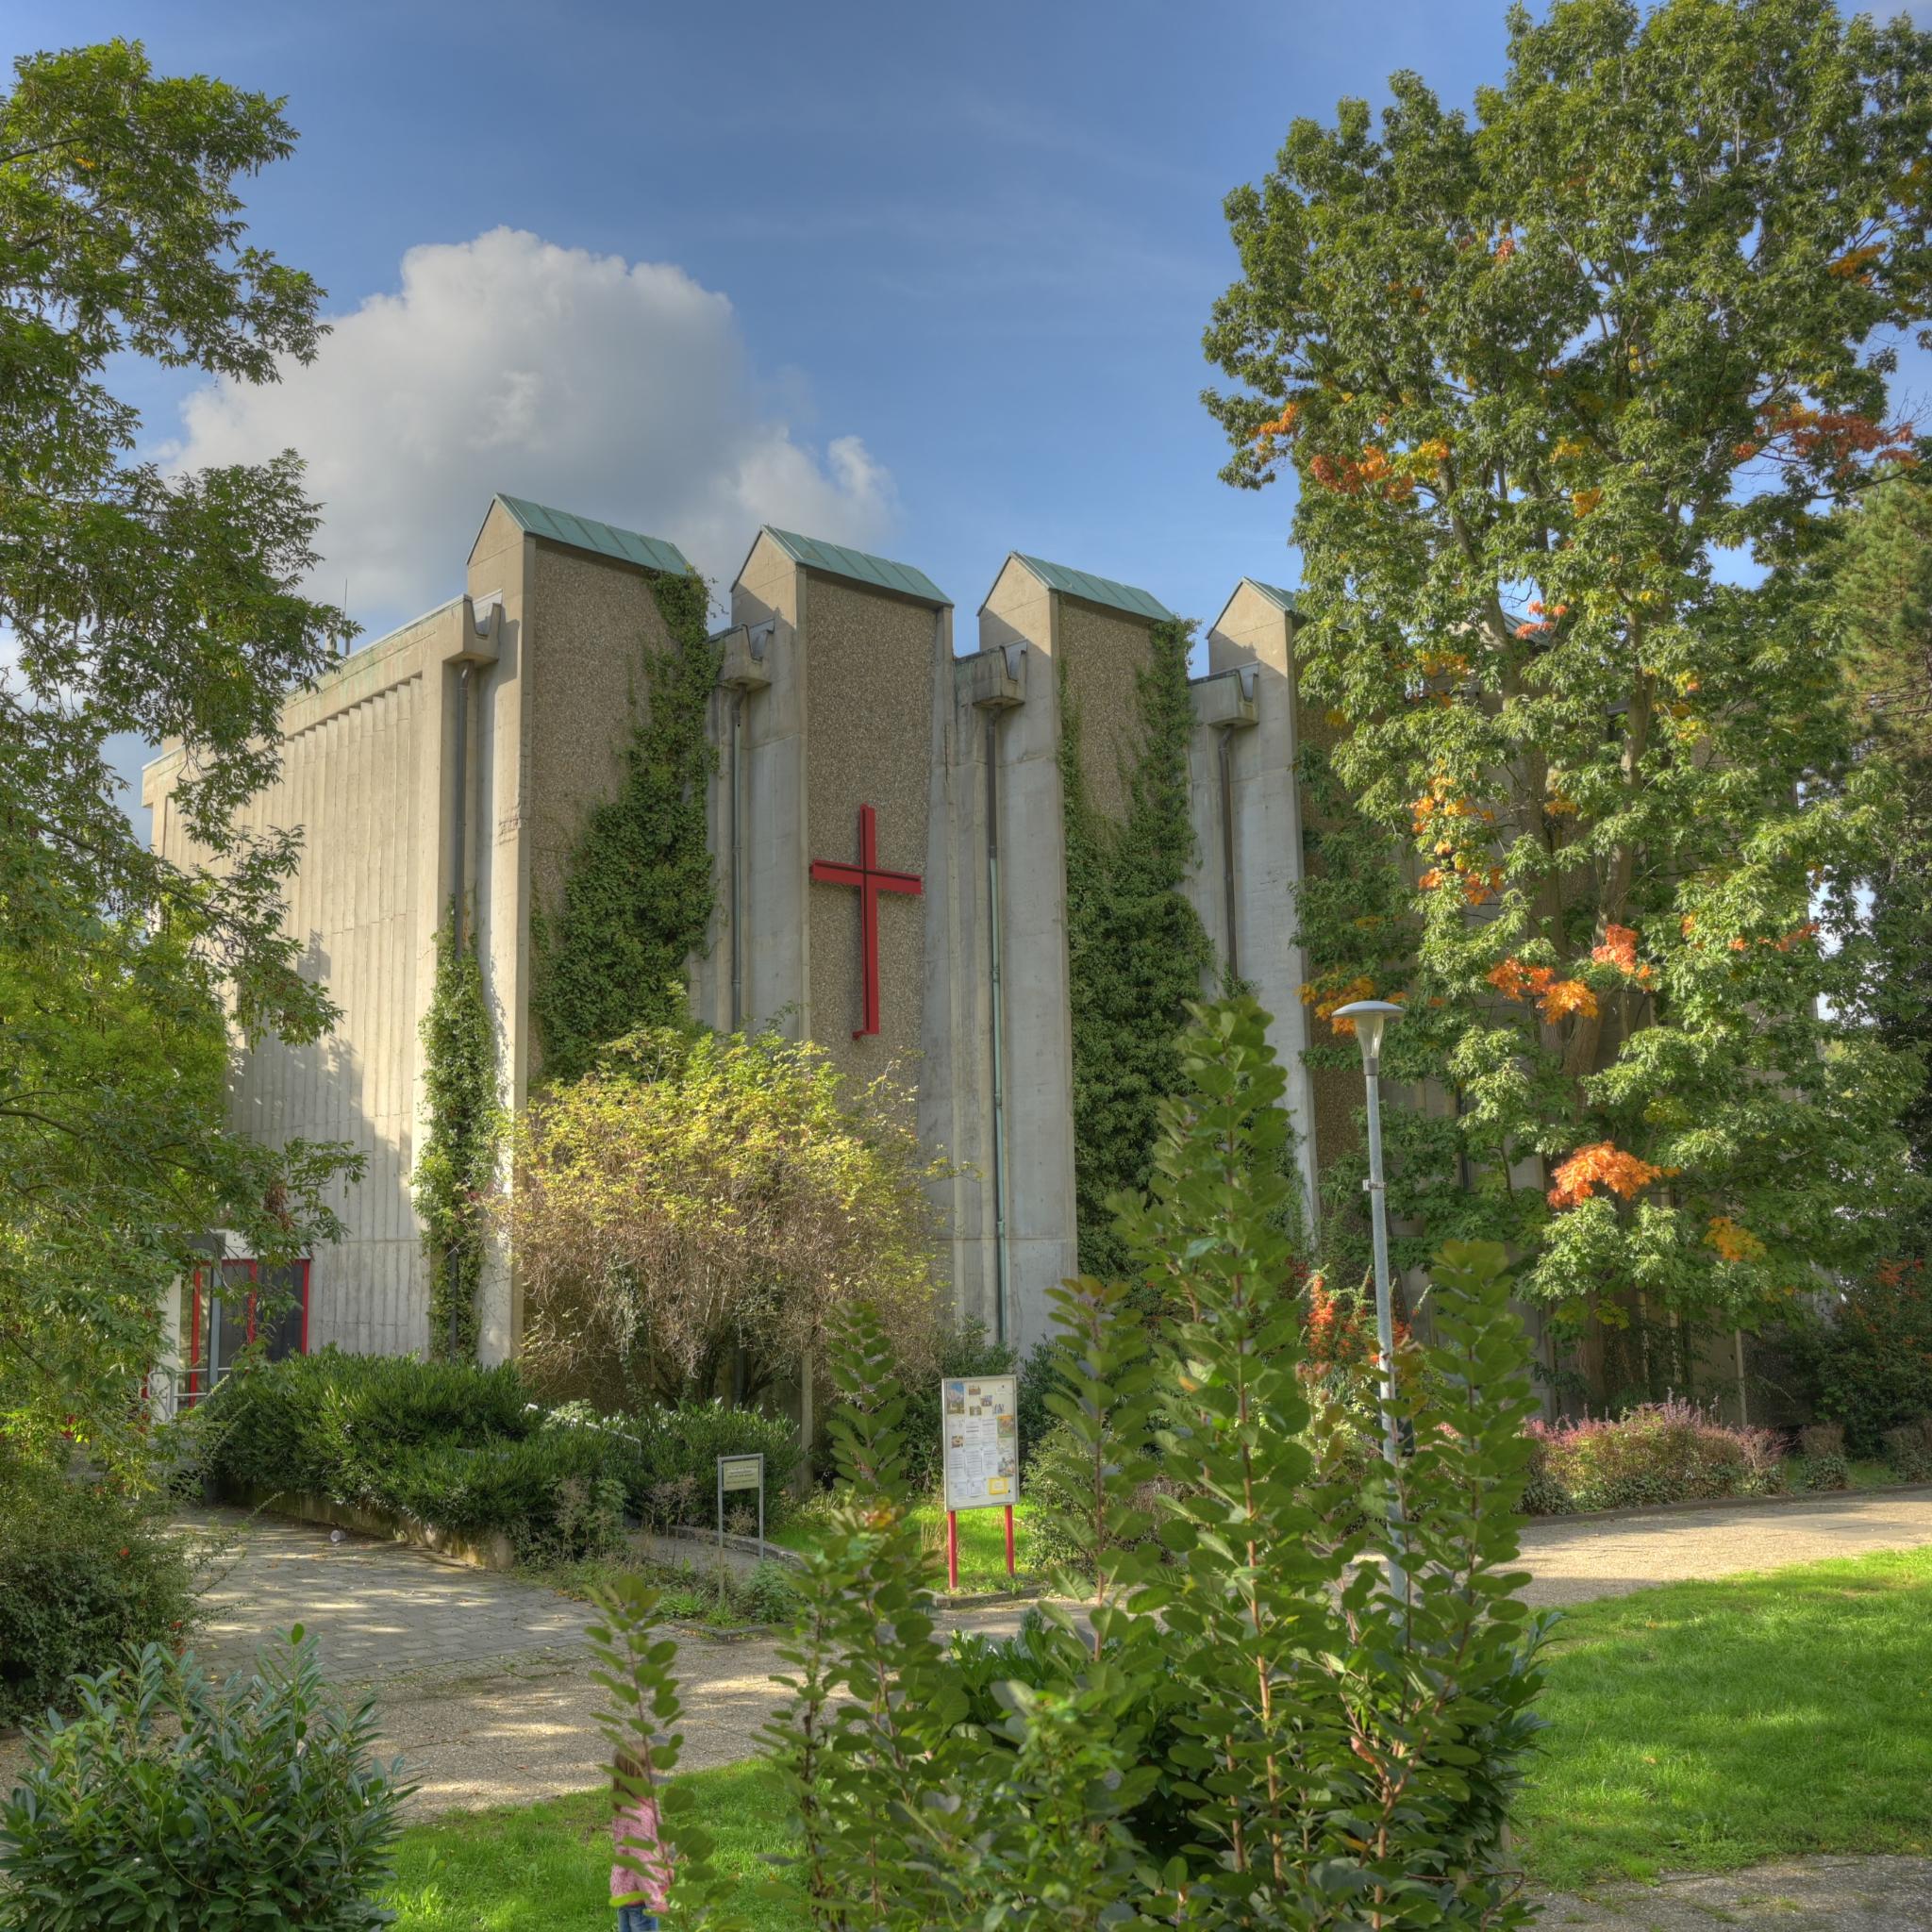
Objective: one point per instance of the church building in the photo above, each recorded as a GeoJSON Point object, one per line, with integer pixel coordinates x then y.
{"type": "Point", "coordinates": [886, 827]}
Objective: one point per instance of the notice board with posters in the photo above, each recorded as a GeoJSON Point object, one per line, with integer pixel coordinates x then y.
{"type": "Point", "coordinates": [979, 1430]}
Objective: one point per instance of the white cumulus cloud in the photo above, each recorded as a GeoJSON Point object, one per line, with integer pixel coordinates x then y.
{"type": "Point", "coordinates": [617, 390]}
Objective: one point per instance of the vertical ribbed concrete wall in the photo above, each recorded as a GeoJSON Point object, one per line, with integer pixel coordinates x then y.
{"type": "Point", "coordinates": [350, 783]}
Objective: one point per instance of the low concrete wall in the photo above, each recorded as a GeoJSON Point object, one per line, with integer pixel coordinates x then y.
{"type": "Point", "coordinates": [490, 1551]}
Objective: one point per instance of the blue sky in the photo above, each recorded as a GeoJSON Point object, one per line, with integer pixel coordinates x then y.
{"type": "Point", "coordinates": [980, 241]}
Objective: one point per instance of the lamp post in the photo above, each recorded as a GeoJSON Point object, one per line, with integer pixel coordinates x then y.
{"type": "Point", "coordinates": [1371, 1018]}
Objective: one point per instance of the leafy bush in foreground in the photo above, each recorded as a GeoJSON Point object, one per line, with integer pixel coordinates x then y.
{"type": "Point", "coordinates": [84, 1572]}
{"type": "Point", "coordinates": [265, 1810]}
{"type": "Point", "coordinates": [1273, 1726]}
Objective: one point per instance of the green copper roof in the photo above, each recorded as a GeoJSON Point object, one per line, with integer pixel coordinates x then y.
{"type": "Point", "coordinates": [603, 540]}
{"type": "Point", "coordinates": [1282, 600]}
{"type": "Point", "coordinates": [837, 560]}
{"type": "Point", "coordinates": [1079, 583]}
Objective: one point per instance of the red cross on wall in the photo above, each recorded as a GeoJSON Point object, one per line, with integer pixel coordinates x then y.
{"type": "Point", "coordinates": [871, 882]}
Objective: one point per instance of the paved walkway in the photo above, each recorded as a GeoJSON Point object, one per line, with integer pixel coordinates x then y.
{"type": "Point", "coordinates": [1876, 1894]}
{"type": "Point", "coordinates": [483, 1681]}
{"type": "Point", "coordinates": [374, 1609]}
{"type": "Point", "coordinates": [1574, 1558]}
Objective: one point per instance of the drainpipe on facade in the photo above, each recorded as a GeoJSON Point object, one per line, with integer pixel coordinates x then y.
{"type": "Point", "coordinates": [998, 1025]}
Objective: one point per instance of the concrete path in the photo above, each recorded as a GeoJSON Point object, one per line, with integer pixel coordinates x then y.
{"type": "Point", "coordinates": [1874, 1895]}
{"type": "Point", "coordinates": [483, 1680]}
{"type": "Point", "coordinates": [1572, 1559]}
{"type": "Point", "coordinates": [374, 1609]}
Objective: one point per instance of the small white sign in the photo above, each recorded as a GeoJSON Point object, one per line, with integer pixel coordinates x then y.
{"type": "Point", "coordinates": [980, 1431]}
{"type": "Point", "coordinates": [741, 1471]}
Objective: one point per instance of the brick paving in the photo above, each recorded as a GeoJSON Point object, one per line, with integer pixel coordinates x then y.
{"type": "Point", "coordinates": [373, 1609]}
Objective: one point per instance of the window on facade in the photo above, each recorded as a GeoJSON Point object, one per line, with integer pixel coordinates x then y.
{"type": "Point", "coordinates": [236, 1305]}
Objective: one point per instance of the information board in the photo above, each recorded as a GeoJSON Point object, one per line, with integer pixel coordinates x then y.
{"type": "Point", "coordinates": [738, 1473]}
{"type": "Point", "coordinates": [979, 1428]}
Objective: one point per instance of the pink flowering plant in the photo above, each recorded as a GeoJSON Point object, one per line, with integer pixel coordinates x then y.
{"type": "Point", "coordinates": [1662, 1452]}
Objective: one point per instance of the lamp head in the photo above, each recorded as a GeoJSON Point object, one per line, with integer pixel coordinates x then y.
{"type": "Point", "coordinates": [1370, 1017]}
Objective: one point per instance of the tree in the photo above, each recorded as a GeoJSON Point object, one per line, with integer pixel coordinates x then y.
{"type": "Point", "coordinates": [1880, 580]}
{"type": "Point", "coordinates": [1540, 378]}
{"type": "Point", "coordinates": [137, 601]}
{"type": "Point", "coordinates": [688, 1215]}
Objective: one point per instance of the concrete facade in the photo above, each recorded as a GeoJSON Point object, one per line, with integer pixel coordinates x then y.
{"type": "Point", "coordinates": [456, 761]}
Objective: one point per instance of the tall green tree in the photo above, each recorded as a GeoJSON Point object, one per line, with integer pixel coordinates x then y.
{"type": "Point", "coordinates": [135, 600]}
{"type": "Point", "coordinates": [1880, 580]}
{"type": "Point", "coordinates": [1568, 389]}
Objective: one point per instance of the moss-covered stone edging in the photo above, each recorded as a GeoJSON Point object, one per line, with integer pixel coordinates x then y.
{"type": "Point", "coordinates": [1789, 1496]}
{"type": "Point", "coordinates": [490, 1550]}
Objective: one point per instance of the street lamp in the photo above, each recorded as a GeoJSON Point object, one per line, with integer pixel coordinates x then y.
{"type": "Point", "coordinates": [1371, 1018]}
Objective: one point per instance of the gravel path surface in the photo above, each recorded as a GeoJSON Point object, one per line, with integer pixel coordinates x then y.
{"type": "Point", "coordinates": [483, 1682]}
{"type": "Point", "coordinates": [1876, 1894]}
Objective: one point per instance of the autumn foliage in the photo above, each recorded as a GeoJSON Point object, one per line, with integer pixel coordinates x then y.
{"type": "Point", "coordinates": [1570, 390]}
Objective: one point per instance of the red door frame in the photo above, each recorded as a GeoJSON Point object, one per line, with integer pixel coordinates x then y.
{"type": "Point", "coordinates": [197, 1281]}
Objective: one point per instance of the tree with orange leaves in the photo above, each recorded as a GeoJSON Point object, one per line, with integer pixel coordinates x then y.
{"type": "Point", "coordinates": [1595, 808]}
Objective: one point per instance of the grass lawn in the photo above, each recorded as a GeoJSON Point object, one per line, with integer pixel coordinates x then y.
{"type": "Point", "coordinates": [1698, 1726]}
{"type": "Point", "coordinates": [1702, 1726]}
{"type": "Point", "coordinates": [982, 1543]}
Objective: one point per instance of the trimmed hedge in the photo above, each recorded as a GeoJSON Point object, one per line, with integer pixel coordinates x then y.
{"type": "Point", "coordinates": [462, 1449]}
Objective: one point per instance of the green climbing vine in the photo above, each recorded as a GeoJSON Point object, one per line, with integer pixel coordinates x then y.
{"type": "Point", "coordinates": [457, 1164]}
{"type": "Point", "coordinates": [1137, 949]}
{"type": "Point", "coordinates": [637, 894]}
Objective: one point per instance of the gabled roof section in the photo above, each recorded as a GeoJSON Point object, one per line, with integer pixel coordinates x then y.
{"type": "Point", "coordinates": [1282, 600]}
{"type": "Point", "coordinates": [836, 560]}
{"type": "Point", "coordinates": [1080, 583]}
{"type": "Point", "coordinates": [601, 540]}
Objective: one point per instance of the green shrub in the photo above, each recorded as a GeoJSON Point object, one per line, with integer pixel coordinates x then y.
{"type": "Point", "coordinates": [1869, 1364]}
{"type": "Point", "coordinates": [1257, 1720]}
{"type": "Point", "coordinates": [84, 1572]}
{"type": "Point", "coordinates": [464, 1449]}
{"type": "Point", "coordinates": [1908, 1450]}
{"type": "Point", "coordinates": [265, 1810]}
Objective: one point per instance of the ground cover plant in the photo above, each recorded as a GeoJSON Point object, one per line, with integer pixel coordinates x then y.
{"type": "Point", "coordinates": [465, 1449]}
{"type": "Point", "coordinates": [1662, 1452]}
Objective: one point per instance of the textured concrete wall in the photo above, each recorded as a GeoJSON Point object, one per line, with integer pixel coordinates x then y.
{"type": "Point", "coordinates": [1103, 654]}
{"type": "Point", "coordinates": [585, 696]}
{"type": "Point", "coordinates": [1037, 1034]}
{"type": "Point", "coordinates": [352, 783]}
{"type": "Point", "coordinates": [870, 664]}
{"type": "Point", "coordinates": [503, 565]}
{"type": "Point", "coordinates": [1254, 634]}
{"type": "Point", "coordinates": [776, 940]}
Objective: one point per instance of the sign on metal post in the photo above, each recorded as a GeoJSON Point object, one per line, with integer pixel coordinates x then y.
{"type": "Point", "coordinates": [741, 1473]}
{"type": "Point", "coordinates": [979, 1436]}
